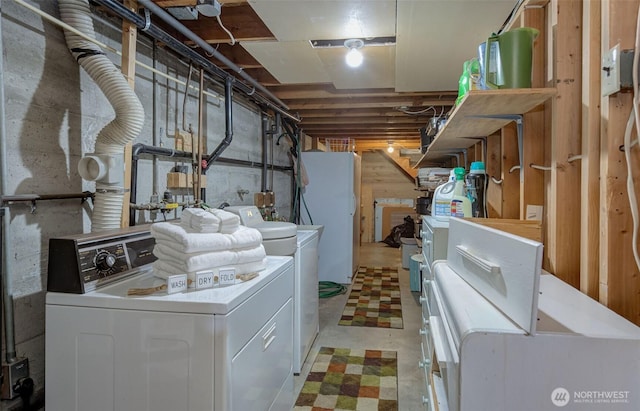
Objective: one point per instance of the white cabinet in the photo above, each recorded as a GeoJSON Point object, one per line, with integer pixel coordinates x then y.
{"type": "Point", "coordinates": [218, 349]}
{"type": "Point", "coordinates": [502, 335]}
{"type": "Point", "coordinates": [435, 235]}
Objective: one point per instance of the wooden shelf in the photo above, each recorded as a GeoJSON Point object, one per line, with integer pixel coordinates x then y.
{"type": "Point", "coordinates": [480, 114]}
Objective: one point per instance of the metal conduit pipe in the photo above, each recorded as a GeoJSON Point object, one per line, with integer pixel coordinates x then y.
{"type": "Point", "coordinates": [265, 140]}
{"type": "Point", "coordinates": [169, 19]}
{"type": "Point", "coordinates": [1, 276]}
{"type": "Point", "coordinates": [180, 48]}
{"type": "Point", "coordinates": [138, 149]}
{"type": "Point", "coordinates": [228, 123]}
{"type": "Point", "coordinates": [6, 263]}
{"type": "Point", "coordinates": [42, 197]}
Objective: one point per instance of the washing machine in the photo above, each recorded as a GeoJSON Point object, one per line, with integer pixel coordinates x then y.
{"type": "Point", "coordinates": [306, 319]}
{"type": "Point", "coordinates": [225, 348]}
{"type": "Point", "coordinates": [287, 239]}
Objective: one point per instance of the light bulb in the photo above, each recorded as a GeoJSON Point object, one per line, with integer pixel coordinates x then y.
{"type": "Point", "coordinates": [390, 148]}
{"type": "Point", "coordinates": [354, 58]}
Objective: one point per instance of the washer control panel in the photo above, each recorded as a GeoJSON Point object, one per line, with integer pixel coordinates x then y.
{"type": "Point", "coordinates": [80, 264]}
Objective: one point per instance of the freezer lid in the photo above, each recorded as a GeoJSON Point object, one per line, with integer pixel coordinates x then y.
{"type": "Point", "coordinates": [467, 311]}
{"type": "Point", "coordinates": [502, 267]}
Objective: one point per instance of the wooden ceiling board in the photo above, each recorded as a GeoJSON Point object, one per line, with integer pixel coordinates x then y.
{"type": "Point", "coordinates": [292, 20]}
{"type": "Point", "coordinates": [435, 37]}
{"type": "Point", "coordinates": [377, 69]}
{"type": "Point", "coordinates": [289, 62]}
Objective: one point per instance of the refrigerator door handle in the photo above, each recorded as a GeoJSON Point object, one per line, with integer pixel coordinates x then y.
{"type": "Point", "coordinates": [353, 204]}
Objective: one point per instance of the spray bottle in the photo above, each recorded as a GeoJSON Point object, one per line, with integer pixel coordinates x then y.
{"type": "Point", "coordinates": [441, 209]}
{"type": "Point", "coordinates": [460, 204]}
{"type": "Point", "coordinates": [476, 182]}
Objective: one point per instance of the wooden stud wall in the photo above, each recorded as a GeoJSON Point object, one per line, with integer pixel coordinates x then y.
{"type": "Point", "coordinates": [510, 176]}
{"type": "Point", "coordinates": [494, 172]}
{"type": "Point", "coordinates": [619, 279]}
{"type": "Point", "coordinates": [129, 38]}
{"type": "Point", "coordinates": [590, 161]}
{"type": "Point", "coordinates": [532, 186]}
{"type": "Point", "coordinates": [564, 217]}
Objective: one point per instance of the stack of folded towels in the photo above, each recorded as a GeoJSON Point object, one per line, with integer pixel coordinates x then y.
{"type": "Point", "coordinates": [206, 240]}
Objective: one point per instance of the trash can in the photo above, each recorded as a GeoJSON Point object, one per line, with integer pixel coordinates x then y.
{"type": "Point", "coordinates": [415, 277]}
{"type": "Point", "coordinates": [409, 247]}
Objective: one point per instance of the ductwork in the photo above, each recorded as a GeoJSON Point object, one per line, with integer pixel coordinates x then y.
{"type": "Point", "coordinates": [106, 165]}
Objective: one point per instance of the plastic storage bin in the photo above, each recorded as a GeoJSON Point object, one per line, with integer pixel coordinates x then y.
{"type": "Point", "coordinates": [409, 247]}
{"type": "Point", "coordinates": [415, 279]}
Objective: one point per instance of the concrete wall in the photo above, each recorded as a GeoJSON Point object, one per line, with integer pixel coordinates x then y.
{"type": "Point", "coordinates": [53, 114]}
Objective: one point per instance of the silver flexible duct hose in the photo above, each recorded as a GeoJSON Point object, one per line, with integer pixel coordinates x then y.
{"type": "Point", "coordinates": [122, 130]}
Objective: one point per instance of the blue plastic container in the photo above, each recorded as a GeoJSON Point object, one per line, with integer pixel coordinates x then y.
{"type": "Point", "coordinates": [415, 277]}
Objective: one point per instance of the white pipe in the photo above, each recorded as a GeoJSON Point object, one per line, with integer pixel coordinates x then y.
{"type": "Point", "coordinates": [122, 130]}
{"type": "Point", "coordinates": [7, 263]}
{"type": "Point", "coordinates": [67, 27]}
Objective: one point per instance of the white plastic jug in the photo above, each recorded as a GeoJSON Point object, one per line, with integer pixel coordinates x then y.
{"type": "Point", "coordinates": [441, 206]}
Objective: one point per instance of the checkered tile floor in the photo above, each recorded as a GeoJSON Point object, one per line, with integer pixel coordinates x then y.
{"type": "Point", "coordinates": [374, 300]}
{"type": "Point", "coordinates": [346, 379]}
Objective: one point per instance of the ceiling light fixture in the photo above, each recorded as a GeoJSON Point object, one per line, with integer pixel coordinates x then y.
{"type": "Point", "coordinates": [354, 56]}
{"type": "Point", "coordinates": [390, 148]}
{"type": "Point", "coordinates": [209, 8]}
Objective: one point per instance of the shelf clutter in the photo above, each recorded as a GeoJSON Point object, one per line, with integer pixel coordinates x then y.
{"type": "Point", "coordinates": [480, 114]}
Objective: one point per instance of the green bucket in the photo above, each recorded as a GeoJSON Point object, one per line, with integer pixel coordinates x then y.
{"type": "Point", "coordinates": [509, 56]}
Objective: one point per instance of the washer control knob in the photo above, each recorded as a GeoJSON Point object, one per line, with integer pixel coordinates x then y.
{"type": "Point", "coordinates": [105, 260]}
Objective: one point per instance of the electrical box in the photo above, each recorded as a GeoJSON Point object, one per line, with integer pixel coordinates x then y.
{"type": "Point", "coordinates": [626, 69]}
{"type": "Point", "coordinates": [610, 74]}
{"type": "Point", "coordinates": [12, 373]}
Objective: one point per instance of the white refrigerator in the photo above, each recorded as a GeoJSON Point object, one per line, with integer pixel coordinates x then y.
{"type": "Point", "coordinates": [333, 200]}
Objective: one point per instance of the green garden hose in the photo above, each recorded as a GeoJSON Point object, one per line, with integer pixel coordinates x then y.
{"type": "Point", "coordinates": [328, 289]}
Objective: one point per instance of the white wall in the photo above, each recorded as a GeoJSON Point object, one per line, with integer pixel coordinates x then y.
{"type": "Point", "coordinates": [53, 114]}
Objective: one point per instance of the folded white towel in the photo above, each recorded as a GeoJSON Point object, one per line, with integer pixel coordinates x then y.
{"type": "Point", "coordinates": [185, 218]}
{"type": "Point", "coordinates": [197, 220]}
{"type": "Point", "coordinates": [178, 238]}
{"type": "Point", "coordinates": [229, 222]}
{"type": "Point", "coordinates": [245, 237]}
{"type": "Point", "coordinates": [163, 271]}
{"type": "Point", "coordinates": [203, 261]}
{"type": "Point", "coordinates": [201, 216]}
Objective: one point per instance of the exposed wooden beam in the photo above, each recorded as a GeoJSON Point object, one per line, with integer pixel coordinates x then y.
{"type": "Point", "coordinates": [314, 91]}
{"type": "Point", "coordinates": [360, 134]}
{"type": "Point", "coordinates": [191, 3]}
{"type": "Point", "coordinates": [242, 21]}
{"type": "Point", "coordinates": [409, 121]}
{"type": "Point", "coordinates": [366, 102]}
{"type": "Point", "coordinates": [360, 112]}
{"type": "Point", "coordinates": [238, 55]}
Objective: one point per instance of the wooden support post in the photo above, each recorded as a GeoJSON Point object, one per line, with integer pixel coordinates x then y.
{"type": "Point", "coordinates": [532, 185]}
{"type": "Point", "coordinates": [510, 175]}
{"type": "Point", "coordinates": [565, 198]}
{"type": "Point", "coordinates": [590, 161]}
{"type": "Point", "coordinates": [367, 213]}
{"type": "Point", "coordinates": [494, 170]}
{"type": "Point", "coordinates": [129, 37]}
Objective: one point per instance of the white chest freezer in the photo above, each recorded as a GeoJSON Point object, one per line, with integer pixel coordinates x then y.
{"type": "Point", "coordinates": [498, 334]}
